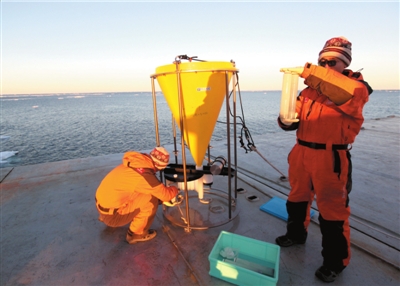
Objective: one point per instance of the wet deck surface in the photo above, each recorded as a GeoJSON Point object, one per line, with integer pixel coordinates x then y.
{"type": "Point", "coordinates": [50, 234]}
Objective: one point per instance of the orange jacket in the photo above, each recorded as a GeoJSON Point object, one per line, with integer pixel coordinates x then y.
{"type": "Point", "coordinates": [330, 108]}
{"type": "Point", "coordinates": [134, 177]}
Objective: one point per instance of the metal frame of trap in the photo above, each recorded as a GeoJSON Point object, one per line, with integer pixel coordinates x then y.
{"type": "Point", "coordinates": [231, 172]}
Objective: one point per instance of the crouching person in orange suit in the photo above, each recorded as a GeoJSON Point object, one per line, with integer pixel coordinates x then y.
{"type": "Point", "coordinates": [131, 192]}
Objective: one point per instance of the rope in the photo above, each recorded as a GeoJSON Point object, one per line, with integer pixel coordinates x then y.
{"type": "Point", "coordinates": [265, 159]}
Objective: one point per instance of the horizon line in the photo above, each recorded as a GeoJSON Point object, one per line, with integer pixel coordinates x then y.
{"type": "Point", "coordinates": [103, 92]}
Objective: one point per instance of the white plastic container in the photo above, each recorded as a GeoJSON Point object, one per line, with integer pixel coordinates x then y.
{"type": "Point", "coordinates": [290, 86]}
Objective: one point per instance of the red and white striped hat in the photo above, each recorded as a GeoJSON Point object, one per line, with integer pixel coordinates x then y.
{"type": "Point", "coordinates": [338, 47]}
{"type": "Point", "coordinates": [160, 157]}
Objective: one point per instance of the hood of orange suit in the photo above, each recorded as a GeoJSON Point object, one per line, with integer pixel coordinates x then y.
{"type": "Point", "coordinates": [137, 160]}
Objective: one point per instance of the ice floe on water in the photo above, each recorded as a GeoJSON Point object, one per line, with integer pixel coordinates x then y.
{"type": "Point", "coordinates": [4, 155]}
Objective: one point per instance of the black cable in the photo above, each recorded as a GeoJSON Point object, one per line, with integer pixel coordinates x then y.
{"type": "Point", "coordinates": [244, 132]}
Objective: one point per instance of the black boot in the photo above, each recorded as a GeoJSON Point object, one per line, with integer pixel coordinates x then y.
{"type": "Point", "coordinates": [325, 274]}
{"type": "Point", "coordinates": [334, 244]}
{"type": "Point", "coordinates": [296, 232]}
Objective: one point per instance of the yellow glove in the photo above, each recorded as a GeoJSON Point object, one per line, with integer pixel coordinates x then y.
{"type": "Point", "coordinates": [295, 70]}
{"type": "Point", "coordinates": [174, 201]}
{"type": "Point", "coordinates": [288, 121]}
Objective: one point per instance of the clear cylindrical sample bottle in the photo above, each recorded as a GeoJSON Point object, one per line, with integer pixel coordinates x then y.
{"type": "Point", "coordinates": [289, 94]}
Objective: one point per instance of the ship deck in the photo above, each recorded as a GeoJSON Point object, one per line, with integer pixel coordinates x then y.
{"type": "Point", "coordinates": [50, 234]}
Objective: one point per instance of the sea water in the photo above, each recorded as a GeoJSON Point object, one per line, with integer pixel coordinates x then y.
{"type": "Point", "coordinates": [49, 128]}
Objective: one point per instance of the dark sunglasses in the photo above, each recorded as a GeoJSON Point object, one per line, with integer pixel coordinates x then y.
{"type": "Point", "coordinates": [330, 63]}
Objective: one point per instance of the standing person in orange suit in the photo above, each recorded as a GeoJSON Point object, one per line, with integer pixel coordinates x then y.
{"type": "Point", "coordinates": [329, 117]}
{"type": "Point", "coordinates": [131, 192]}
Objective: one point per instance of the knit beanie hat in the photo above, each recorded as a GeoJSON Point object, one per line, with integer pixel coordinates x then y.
{"type": "Point", "coordinates": [338, 47]}
{"type": "Point", "coordinates": [160, 157]}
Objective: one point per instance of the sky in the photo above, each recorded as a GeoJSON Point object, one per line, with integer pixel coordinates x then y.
{"type": "Point", "coordinates": [115, 46]}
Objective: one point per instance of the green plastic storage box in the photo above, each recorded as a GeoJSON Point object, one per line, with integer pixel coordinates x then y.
{"type": "Point", "coordinates": [256, 262]}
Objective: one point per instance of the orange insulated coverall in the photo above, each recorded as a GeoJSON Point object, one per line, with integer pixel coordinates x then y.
{"type": "Point", "coordinates": [130, 193]}
{"type": "Point", "coordinates": [330, 117]}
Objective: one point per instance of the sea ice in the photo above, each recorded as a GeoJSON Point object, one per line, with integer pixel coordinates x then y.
{"type": "Point", "coordinates": [7, 154]}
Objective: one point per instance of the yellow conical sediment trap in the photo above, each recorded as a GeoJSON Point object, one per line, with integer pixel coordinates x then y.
{"type": "Point", "coordinates": [202, 89]}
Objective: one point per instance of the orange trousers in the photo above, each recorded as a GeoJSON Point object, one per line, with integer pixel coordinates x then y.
{"type": "Point", "coordinates": [326, 175]}
{"type": "Point", "coordinates": [140, 213]}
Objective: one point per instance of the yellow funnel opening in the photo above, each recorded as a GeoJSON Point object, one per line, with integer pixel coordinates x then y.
{"type": "Point", "coordinates": [203, 89]}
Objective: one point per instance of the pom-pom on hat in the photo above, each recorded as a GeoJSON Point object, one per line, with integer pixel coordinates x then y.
{"type": "Point", "coordinates": [160, 157]}
{"type": "Point", "coordinates": [338, 47]}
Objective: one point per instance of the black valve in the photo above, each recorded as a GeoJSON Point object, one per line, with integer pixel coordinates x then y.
{"type": "Point", "coordinates": [186, 57]}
